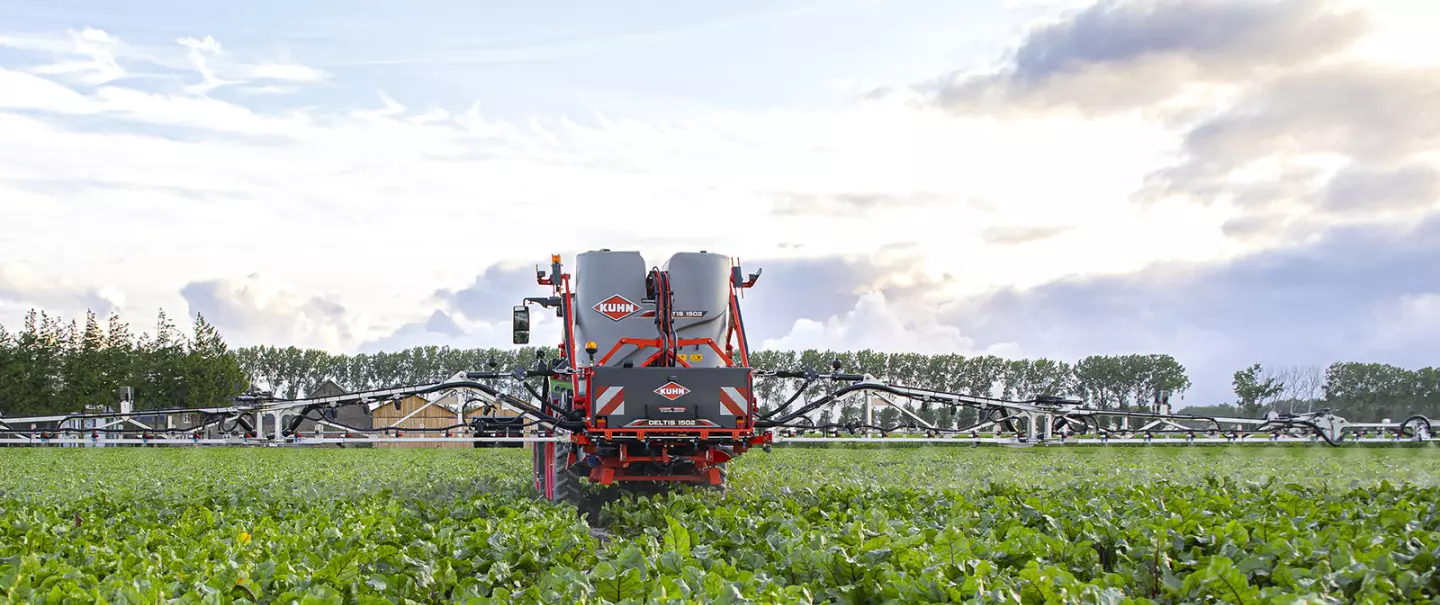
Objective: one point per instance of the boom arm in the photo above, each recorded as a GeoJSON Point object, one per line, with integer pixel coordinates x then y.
{"type": "Point", "coordinates": [1042, 417]}
{"type": "Point", "coordinates": [247, 406]}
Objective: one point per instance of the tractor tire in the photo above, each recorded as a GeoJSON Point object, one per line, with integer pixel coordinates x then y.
{"type": "Point", "coordinates": [567, 485]}
{"type": "Point", "coordinates": [554, 479]}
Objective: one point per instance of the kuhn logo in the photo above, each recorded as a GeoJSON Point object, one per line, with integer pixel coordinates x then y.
{"type": "Point", "coordinates": [672, 391]}
{"type": "Point", "coordinates": [616, 307]}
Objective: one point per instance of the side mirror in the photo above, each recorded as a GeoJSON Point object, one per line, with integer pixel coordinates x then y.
{"type": "Point", "coordinates": [521, 327]}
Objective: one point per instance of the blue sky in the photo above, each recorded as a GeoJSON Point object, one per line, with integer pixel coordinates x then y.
{"type": "Point", "coordinates": [626, 59]}
{"type": "Point", "coordinates": [1025, 178]}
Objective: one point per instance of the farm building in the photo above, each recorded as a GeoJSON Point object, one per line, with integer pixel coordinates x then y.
{"type": "Point", "coordinates": [433, 411]}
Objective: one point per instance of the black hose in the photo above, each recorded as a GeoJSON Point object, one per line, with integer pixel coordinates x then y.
{"type": "Point", "coordinates": [1423, 421]}
{"type": "Point", "coordinates": [789, 401]}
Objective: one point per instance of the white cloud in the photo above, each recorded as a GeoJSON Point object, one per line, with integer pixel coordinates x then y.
{"type": "Point", "coordinates": [19, 90]}
{"type": "Point", "coordinates": [367, 212]}
{"type": "Point", "coordinates": [877, 325]}
{"type": "Point", "coordinates": [87, 57]}
{"type": "Point", "coordinates": [199, 54]}
{"type": "Point", "coordinates": [285, 72]}
{"type": "Point", "coordinates": [23, 287]}
{"type": "Point", "coordinates": [93, 57]}
{"type": "Point", "coordinates": [1410, 321]}
{"type": "Point", "coordinates": [401, 202]}
{"type": "Point", "coordinates": [259, 310]}
{"type": "Point", "coordinates": [464, 334]}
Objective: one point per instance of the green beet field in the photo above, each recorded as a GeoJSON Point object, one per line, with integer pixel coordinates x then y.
{"type": "Point", "coordinates": [798, 525]}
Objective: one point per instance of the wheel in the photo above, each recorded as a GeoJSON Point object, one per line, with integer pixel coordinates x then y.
{"type": "Point", "coordinates": [554, 476]}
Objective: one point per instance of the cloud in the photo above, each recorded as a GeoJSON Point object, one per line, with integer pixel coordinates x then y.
{"type": "Point", "coordinates": [26, 91]}
{"type": "Point", "coordinates": [94, 57]}
{"type": "Point", "coordinates": [199, 54]}
{"type": "Point", "coordinates": [849, 204]}
{"type": "Point", "coordinates": [1288, 122]}
{"type": "Point", "coordinates": [35, 94]}
{"type": "Point", "coordinates": [86, 57]}
{"type": "Point", "coordinates": [593, 39]}
{"type": "Point", "coordinates": [1215, 33]}
{"type": "Point", "coordinates": [1118, 55]}
{"type": "Point", "coordinates": [1373, 112]}
{"type": "Point", "coordinates": [874, 324]}
{"type": "Point", "coordinates": [363, 191]}
{"type": "Point", "coordinates": [22, 288]}
{"type": "Point", "coordinates": [1355, 294]}
{"type": "Point", "coordinates": [493, 292]}
{"type": "Point", "coordinates": [477, 315]}
{"type": "Point", "coordinates": [255, 310]}
{"type": "Point", "coordinates": [1413, 321]}
{"type": "Point", "coordinates": [791, 303]}
{"type": "Point", "coordinates": [440, 330]}
{"type": "Point", "coordinates": [381, 225]}
{"type": "Point", "coordinates": [281, 72]}
{"type": "Point", "coordinates": [1364, 189]}
{"type": "Point", "coordinates": [1013, 235]}
{"type": "Point", "coordinates": [441, 323]}
{"type": "Point", "coordinates": [444, 329]}
{"type": "Point", "coordinates": [1318, 147]}
{"type": "Point", "coordinates": [820, 287]}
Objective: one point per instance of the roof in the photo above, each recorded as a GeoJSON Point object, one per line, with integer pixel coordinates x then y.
{"type": "Point", "coordinates": [327, 389]}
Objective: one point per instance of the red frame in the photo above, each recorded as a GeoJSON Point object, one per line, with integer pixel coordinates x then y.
{"type": "Point", "coordinates": [645, 343]}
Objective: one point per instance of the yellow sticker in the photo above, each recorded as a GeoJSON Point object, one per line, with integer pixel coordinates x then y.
{"type": "Point", "coordinates": [695, 357]}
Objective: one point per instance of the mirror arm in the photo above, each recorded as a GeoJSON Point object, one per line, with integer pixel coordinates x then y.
{"type": "Point", "coordinates": [544, 301]}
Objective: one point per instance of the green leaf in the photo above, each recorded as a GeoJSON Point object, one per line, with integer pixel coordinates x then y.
{"type": "Point", "coordinates": [677, 538]}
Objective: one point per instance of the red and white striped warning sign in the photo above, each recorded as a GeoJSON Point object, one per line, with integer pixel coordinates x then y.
{"type": "Point", "coordinates": [610, 401]}
{"type": "Point", "coordinates": [733, 401]}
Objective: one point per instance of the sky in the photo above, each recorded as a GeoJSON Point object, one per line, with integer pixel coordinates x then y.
{"type": "Point", "coordinates": [1225, 181]}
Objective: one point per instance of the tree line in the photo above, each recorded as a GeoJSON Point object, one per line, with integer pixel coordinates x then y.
{"type": "Point", "coordinates": [51, 366]}
{"type": "Point", "coordinates": [1359, 391]}
{"type": "Point", "coordinates": [1120, 382]}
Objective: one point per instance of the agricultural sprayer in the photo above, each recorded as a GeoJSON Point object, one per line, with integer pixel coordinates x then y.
{"type": "Point", "coordinates": [651, 384]}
